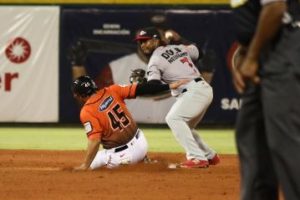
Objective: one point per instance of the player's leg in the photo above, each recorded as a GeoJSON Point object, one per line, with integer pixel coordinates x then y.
{"type": "Point", "coordinates": [209, 152]}
{"type": "Point", "coordinates": [187, 107]}
{"type": "Point", "coordinates": [100, 159]}
{"type": "Point", "coordinates": [182, 132]}
{"type": "Point", "coordinates": [140, 148]}
{"type": "Point", "coordinates": [258, 179]}
{"type": "Point", "coordinates": [111, 159]}
{"type": "Point", "coordinates": [135, 152]}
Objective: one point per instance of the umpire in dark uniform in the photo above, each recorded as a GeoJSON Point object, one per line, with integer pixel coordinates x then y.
{"type": "Point", "coordinates": [267, 74]}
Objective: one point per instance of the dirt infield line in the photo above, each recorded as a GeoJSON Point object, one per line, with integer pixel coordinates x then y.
{"type": "Point", "coordinates": [31, 169]}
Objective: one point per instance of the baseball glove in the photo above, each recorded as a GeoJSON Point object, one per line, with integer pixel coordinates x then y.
{"type": "Point", "coordinates": [138, 76]}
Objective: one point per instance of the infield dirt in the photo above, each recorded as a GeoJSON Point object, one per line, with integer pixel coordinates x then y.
{"type": "Point", "coordinates": [46, 175]}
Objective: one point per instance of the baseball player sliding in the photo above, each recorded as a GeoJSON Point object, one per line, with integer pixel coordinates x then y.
{"type": "Point", "coordinates": [107, 121]}
{"type": "Point", "coordinates": [169, 63]}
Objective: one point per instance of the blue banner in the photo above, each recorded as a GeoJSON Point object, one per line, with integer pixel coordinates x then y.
{"type": "Point", "coordinates": [108, 34]}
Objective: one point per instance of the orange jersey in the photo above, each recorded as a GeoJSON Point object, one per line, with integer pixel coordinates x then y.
{"type": "Point", "coordinates": [106, 117]}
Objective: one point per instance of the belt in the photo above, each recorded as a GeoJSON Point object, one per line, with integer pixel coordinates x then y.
{"type": "Point", "coordinates": [122, 148]}
{"type": "Point", "coordinates": [196, 80]}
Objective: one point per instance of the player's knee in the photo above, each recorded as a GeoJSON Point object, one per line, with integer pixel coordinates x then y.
{"type": "Point", "coordinates": [171, 119]}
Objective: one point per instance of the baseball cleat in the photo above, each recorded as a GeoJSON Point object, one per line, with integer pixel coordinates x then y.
{"type": "Point", "coordinates": [215, 160]}
{"type": "Point", "coordinates": [195, 163]}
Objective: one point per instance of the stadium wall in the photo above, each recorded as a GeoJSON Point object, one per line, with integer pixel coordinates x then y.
{"type": "Point", "coordinates": [38, 89]}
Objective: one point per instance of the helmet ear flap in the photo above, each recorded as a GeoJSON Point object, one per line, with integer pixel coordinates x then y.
{"type": "Point", "coordinates": [84, 86]}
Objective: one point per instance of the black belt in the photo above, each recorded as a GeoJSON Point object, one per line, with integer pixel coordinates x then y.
{"type": "Point", "coordinates": [121, 148]}
{"type": "Point", "coordinates": [196, 80]}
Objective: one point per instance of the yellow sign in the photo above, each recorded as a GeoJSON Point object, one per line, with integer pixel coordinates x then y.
{"type": "Point", "coordinates": [237, 3]}
{"type": "Point", "coordinates": [173, 2]}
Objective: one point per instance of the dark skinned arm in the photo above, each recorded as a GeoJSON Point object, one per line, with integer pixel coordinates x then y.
{"type": "Point", "coordinates": [269, 23]}
{"type": "Point", "coordinates": [92, 149]}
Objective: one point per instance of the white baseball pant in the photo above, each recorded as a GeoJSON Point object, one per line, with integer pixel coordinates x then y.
{"type": "Point", "coordinates": [133, 152]}
{"type": "Point", "coordinates": [186, 113]}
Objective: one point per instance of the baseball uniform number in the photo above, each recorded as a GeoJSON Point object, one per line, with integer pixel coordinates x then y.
{"type": "Point", "coordinates": [186, 60]}
{"type": "Point", "coordinates": [118, 118]}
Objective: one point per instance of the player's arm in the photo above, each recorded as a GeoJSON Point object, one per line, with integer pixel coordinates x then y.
{"type": "Point", "coordinates": [207, 65]}
{"type": "Point", "coordinates": [93, 130]}
{"type": "Point", "coordinates": [237, 60]}
{"type": "Point", "coordinates": [77, 56]}
{"type": "Point", "coordinates": [92, 149]}
{"type": "Point", "coordinates": [156, 95]}
{"type": "Point", "coordinates": [194, 52]}
{"type": "Point", "coordinates": [270, 20]}
{"type": "Point", "coordinates": [156, 86]}
{"type": "Point", "coordinates": [147, 88]}
{"type": "Point", "coordinates": [150, 88]}
{"type": "Point", "coordinates": [139, 76]}
{"type": "Point", "coordinates": [175, 38]}
{"type": "Point", "coordinates": [77, 71]}
{"type": "Point", "coordinates": [269, 23]}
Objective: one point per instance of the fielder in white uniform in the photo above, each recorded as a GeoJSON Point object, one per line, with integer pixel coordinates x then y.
{"type": "Point", "coordinates": [169, 63]}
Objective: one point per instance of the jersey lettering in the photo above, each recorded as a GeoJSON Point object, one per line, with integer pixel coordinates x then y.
{"type": "Point", "coordinates": [177, 49]}
{"type": "Point", "coordinates": [106, 103]}
{"type": "Point", "coordinates": [167, 53]}
{"type": "Point", "coordinates": [173, 54]}
{"type": "Point", "coordinates": [118, 118]}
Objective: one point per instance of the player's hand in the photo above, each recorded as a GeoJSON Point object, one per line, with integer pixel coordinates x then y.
{"type": "Point", "coordinates": [249, 69]}
{"type": "Point", "coordinates": [82, 167]}
{"type": "Point", "coordinates": [176, 84]}
{"type": "Point", "coordinates": [244, 70]}
{"type": "Point", "coordinates": [238, 81]}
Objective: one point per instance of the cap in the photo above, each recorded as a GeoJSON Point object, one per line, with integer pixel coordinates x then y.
{"type": "Point", "coordinates": [147, 33]}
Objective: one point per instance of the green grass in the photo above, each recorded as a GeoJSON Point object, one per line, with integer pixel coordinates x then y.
{"type": "Point", "coordinates": [160, 140]}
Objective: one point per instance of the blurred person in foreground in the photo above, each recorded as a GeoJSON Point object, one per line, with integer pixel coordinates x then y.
{"type": "Point", "coordinates": [267, 74]}
{"type": "Point", "coordinates": [107, 121]}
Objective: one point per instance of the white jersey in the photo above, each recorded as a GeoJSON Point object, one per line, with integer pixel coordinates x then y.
{"type": "Point", "coordinates": [172, 63]}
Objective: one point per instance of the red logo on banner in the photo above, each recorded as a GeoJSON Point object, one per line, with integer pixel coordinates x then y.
{"type": "Point", "coordinates": [18, 51]}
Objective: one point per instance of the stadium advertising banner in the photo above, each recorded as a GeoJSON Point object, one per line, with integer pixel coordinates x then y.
{"type": "Point", "coordinates": [29, 63]}
{"type": "Point", "coordinates": [110, 54]}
